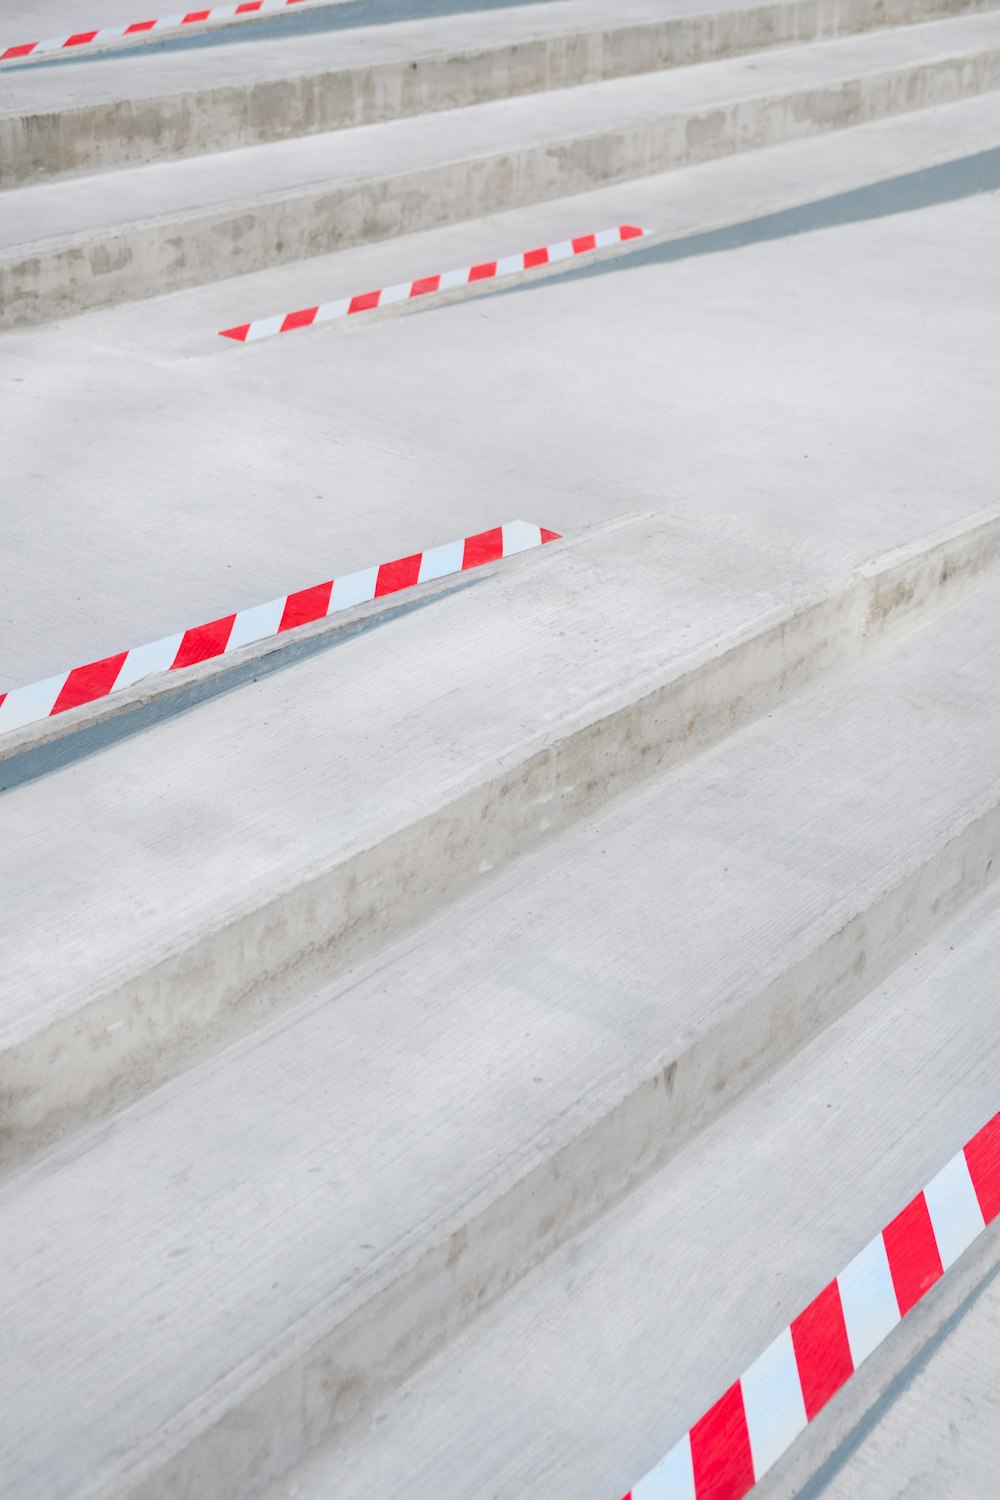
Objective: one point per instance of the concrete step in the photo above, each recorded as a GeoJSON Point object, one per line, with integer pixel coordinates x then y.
{"type": "Point", "coordinates": [264, 468]}
{"type": "Point", "coordinates": [193, 896]}
{"type": "Point", "coordinates": [79, 243]}
{"type": "Point", "coordinates": [244, 1260]}
{"type": "Point", "coordinates": [95, 114]}
{"type": "Point", "coordinates": [589, 1371]}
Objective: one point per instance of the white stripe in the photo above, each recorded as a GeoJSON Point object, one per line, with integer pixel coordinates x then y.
{"type": "Point", "coordinates": [157, 656]}
{"type": "Point", "coordinates": [673, 1477]}
{"type": "Point", "coordinates": [510, 264]}
{"type": "Point", "coordinates": [26, 705]}
{"type": "Point", "coordinates": [605, 237]}
{"type": "Point", "coordinates": [772, 1399]}
{"type": "Point", "coordinates": [868, 1298]}
{"type": "Point", "coordinates": [453, 278]}
{"type": "Point", "coordinates": [264, 328]}
{"type": "Point", "coordinates": [561, 251]}
{"type": "Point", "coordinates": [256, 624]}
{"type": "Point", "coordinates": [518, 536]}
{"type": "Point", "coordinates": [954, 1210]}
{"type": "Point", "coordinates": [327, 311]}
{"type": "Point", "coordinates": [390, 294]}
{"type": "Point", "coordinates": [353, 588]}
{"type": "Point", "coordinates": [438, 562]}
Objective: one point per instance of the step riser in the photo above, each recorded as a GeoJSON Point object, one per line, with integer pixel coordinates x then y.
{"type": "Point", "coordinates": [126, 132]}
{"type": "Point", "coordinates": [126, 1041]}
{"type": "Point", "coordinates": [40, 282]}
{"type": "Point", "coordinates": [333, 1376]}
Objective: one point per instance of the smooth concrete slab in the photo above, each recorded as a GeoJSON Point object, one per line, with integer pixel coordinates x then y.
{"type": "Point", "coordinates": [585, 1375]}
{"type": "Point", "coordinates": [166, 476]}
{"type": "Point", "coordinates": [78, 243]}
{"type": "Point", "coordinates": [238, 1264]}
{"type": "Point", "coordinates": [99, 112]}
{"type": "Point", "coordinates": [174, 939]}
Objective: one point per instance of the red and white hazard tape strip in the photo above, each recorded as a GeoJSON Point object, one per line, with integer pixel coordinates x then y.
{"type": "Point", "coordinates": [103, 35]}
{"type": "Point", "coordinates": [221, 637]}
{"type": "Point", "coordinates": [407, 291]}
{"type": "Point", "coordinates": [758, 1419]}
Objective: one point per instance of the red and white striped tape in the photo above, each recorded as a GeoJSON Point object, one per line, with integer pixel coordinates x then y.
{"type": "Point", "coordinates": [407, 291]}
{"type": "Point", "coordinates": [102, 35]}
{"type": "Point", "coordinates": [221, 637]}
{"type": "Point", "coordinates": [758, 1419]}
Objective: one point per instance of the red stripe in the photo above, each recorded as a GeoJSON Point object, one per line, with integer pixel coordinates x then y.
{"type": "Point", "coordinates": [241, 10]}
{"type": "Point", "coordinates": [84, 684]}
{"type": "Point", "coordinates": [484, 547]}
{"type": "Point", "coordinates": [2, 697]}
{"type": "Point", "coordinates": [21, 51]}
{"type": "Point", "coordinates": [536, 258]}
{"type": "Point", "coordinates": [424, 285]}
{"type": "Point", "coordinates": [822, 1353]}
{"type": "Point", "coordinates": [300, 319]}
{"type": "Point", "coordinates": [139, 26]}
{"type": "Point", "coordinates": [239, 333]}
{"type": "Point", "coordinates": [203, 642]}
{"type": "Point", "coordinates": [629, 232]}
{"type": "Point", "coordinates": [79, 39]}
{"type": "Point", "coordinates": [401, 574]}
{"type": "Point", "coordinates": [363, 303]}
{"type": "Point", "coordinates": [914, 1260]}
{"type": "Point", "coordinates": [306, 605]}
{"type": "Point", "coordinates": [983, 1157]}
{"type": "Point", "coordinates": [548, 536]}
{"type": "Point", "coordinates": [484, 271]}
{"type": "Point", "coordinates": [195, 15]}
{"type": "Point", "coordinates": [586, 242]}
{"type": "Point", "coordinates": [720, 1450]}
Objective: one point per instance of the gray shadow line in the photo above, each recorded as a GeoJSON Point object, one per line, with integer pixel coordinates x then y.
{"type": "Point", "coordinates": [275, 28]}
{"type": "Point", "coordinates": [945, 183]}
{"type": "Point", "coordinates": [79, 744]}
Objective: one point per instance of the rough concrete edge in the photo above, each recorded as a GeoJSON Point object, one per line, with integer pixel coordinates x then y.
{"type": "Point", "coordinates": [251, 964]}
{"type": "Point", "coordinates": [667, 42]}
{"type": "Point", "coordinates": [407, 1309]}
{"type": "Point", "coordinates": [450, 191]}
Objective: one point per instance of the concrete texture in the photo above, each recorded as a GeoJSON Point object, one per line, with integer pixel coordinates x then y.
{"type": "Point", "coordinates": [93, 115]}
{"type": "Point", "coordinates": [79, 243]}
{"type": "Point", "coordinates": [262, 469]}
{"type": "Point", "coordinates": [586, 1373]}
{"type": "Point", "coordinates": [938, 1433]}
{"type": "Point", "coordinates": [185, 941]}
{"type": "Point", "coordinates": [262, 1248]}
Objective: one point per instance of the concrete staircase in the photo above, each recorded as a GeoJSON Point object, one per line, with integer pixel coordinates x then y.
{"type": "Point", "coordinates": [440, 1066]}
{"type": "Point", "coordinates": [361, 135]}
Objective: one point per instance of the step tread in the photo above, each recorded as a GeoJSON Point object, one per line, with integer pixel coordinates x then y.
{"type": "Point", "coordinates": [584, 1376]}
{"type": "Point", "coordinates": [292, 743]}
{"type": "Point", "coordinates": [521, 1014]}
{"type": "Point", "coordinates": [77, 208]}
{"type": "Point", "coordinates": [165, 74]}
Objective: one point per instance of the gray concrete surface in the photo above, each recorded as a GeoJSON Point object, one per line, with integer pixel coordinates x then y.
{"type": "Point", "coordinates": [78, 243]}
{"type": "Point", "coordinates": [93, 114]}
{"type": "Point", "coordinates": [938, 1433]}
{"type": "Point", "coordinates": [184, 940]}
{"type": "Point", "coordinates": [586, 1373]}
{"type": "Point", "coordinates": [260, 1247]}
{"type": "Point", "coordinates": [261, 469]}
